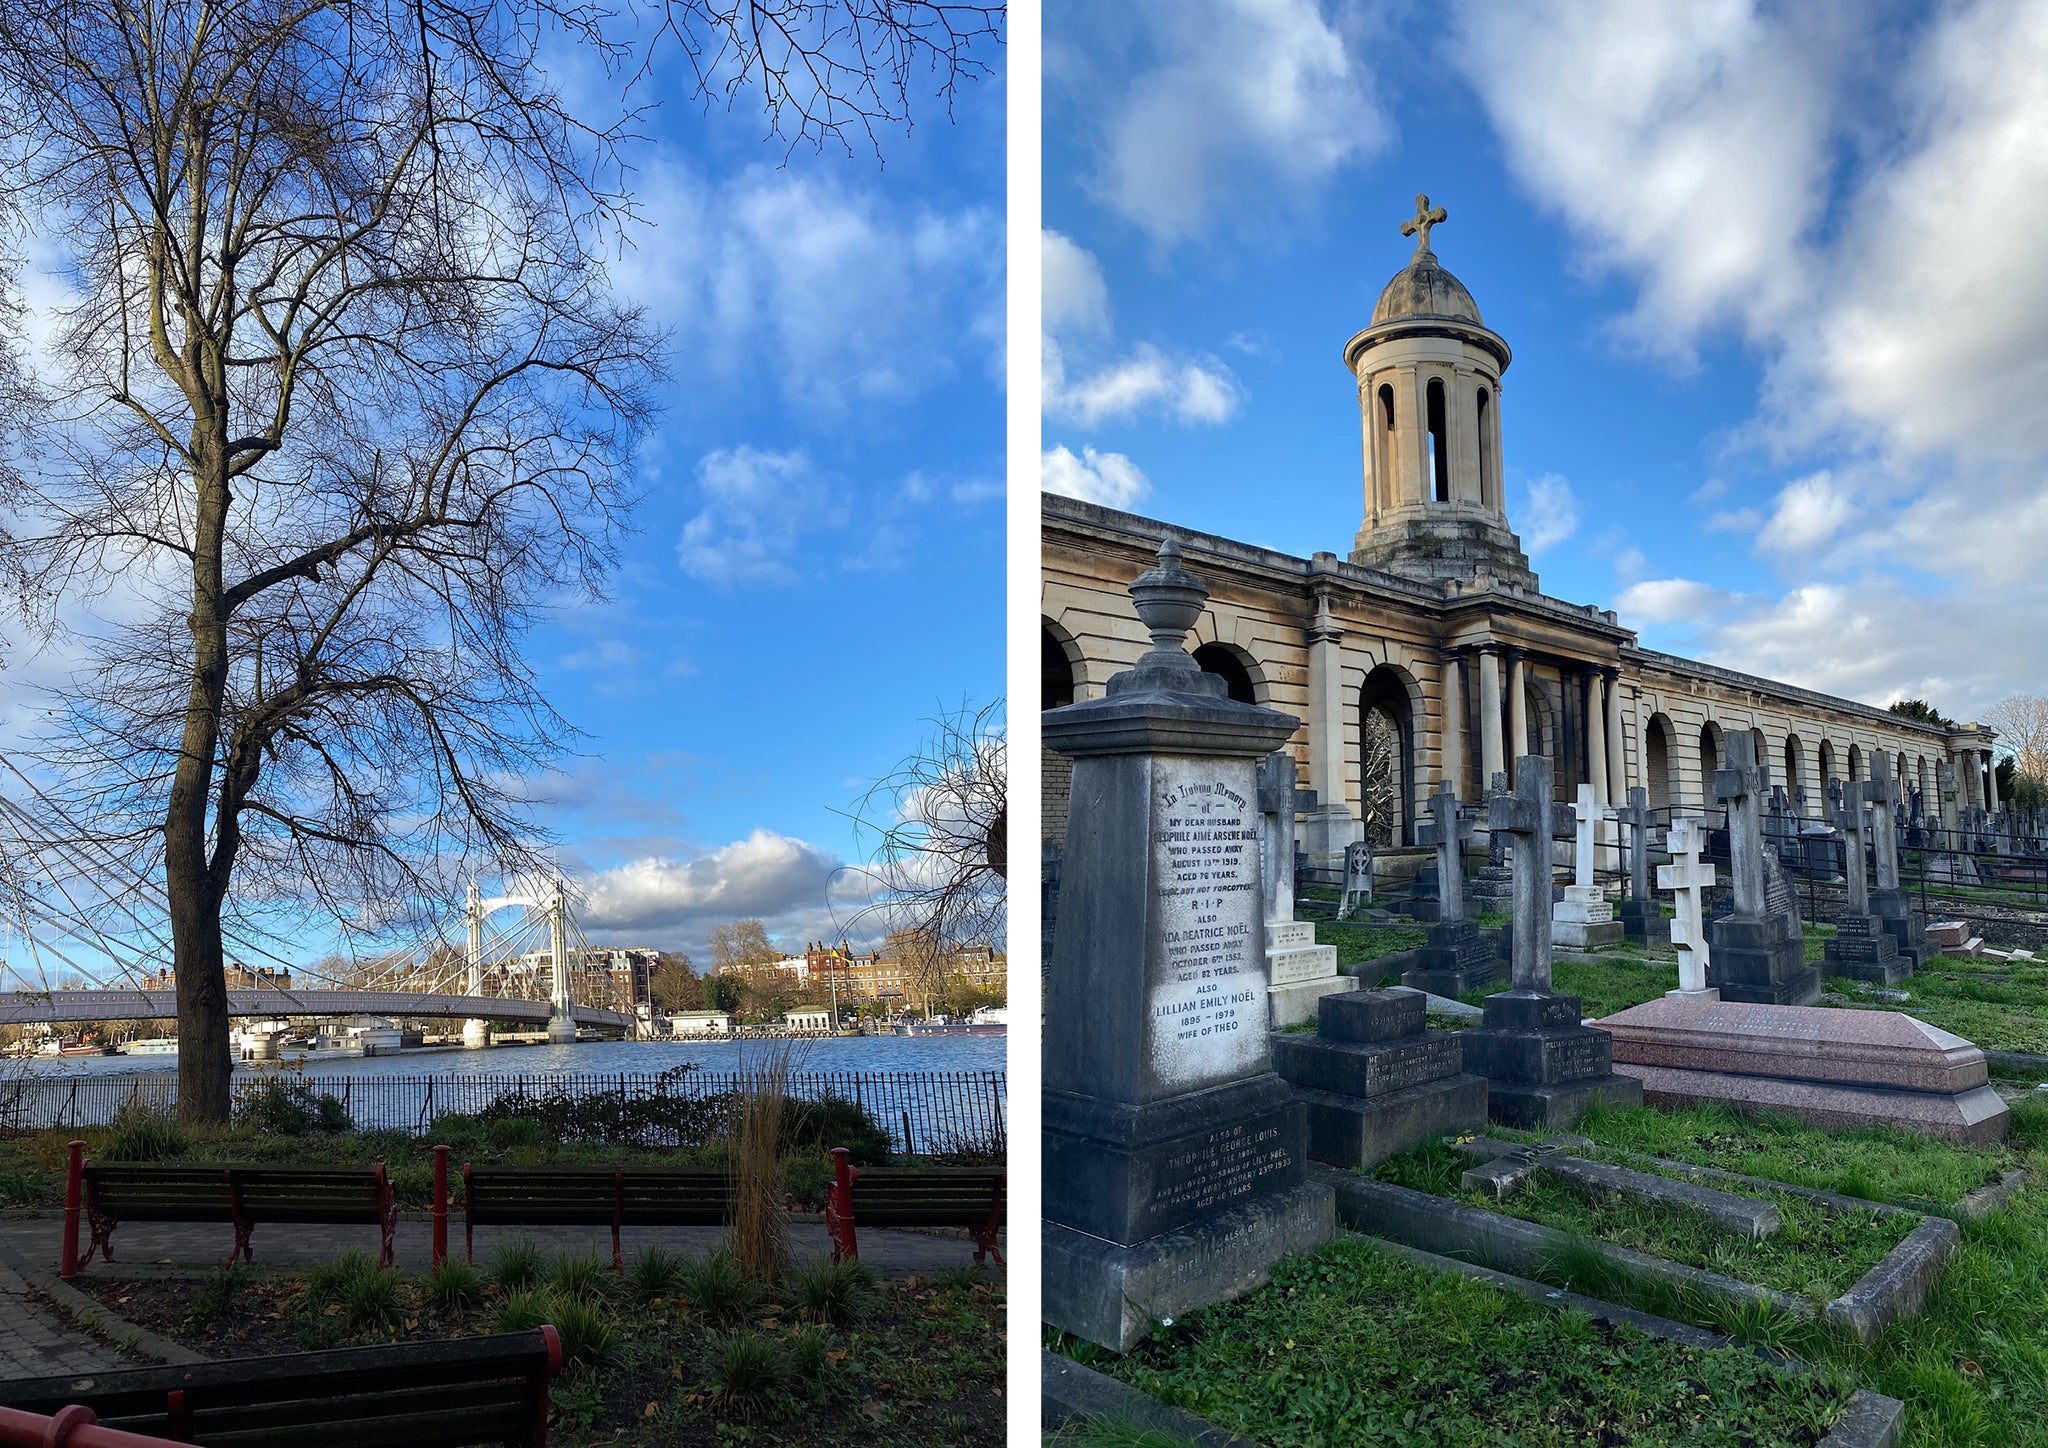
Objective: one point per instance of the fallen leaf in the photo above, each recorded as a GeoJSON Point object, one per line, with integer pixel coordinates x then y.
{"type": "Point", "coordinates": [835, 1358]}
{"type": "Point", "coordinates": [873, 1409]}
{"type": "Point", "coordinates": [649, 1411]}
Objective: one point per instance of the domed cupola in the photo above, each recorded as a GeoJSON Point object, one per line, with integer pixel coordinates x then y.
{"type": "Point", "coordinates": [1428, 374]}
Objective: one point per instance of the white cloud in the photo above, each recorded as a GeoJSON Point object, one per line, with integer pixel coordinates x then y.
{"type": "Point", "coordinates": [1239, 107]}
{"type": "Point", "coordinates": [1735, 520]}
{"type": "Point", "coordinates": [1074, 295]}
{"type": "Point", "coordinates": [756, 505]}
{"type": "Point", "coordinates": [1669, 600]}
{"type": "Point", "coordinates": [784, 882]}
{"type": "Point", "coordinates": [841, 294]}
{"type": "Point", "coordinates": [1146, 380]}
{"type": "Point", "coordinates": [1808, 514]}
{"type": "Point", "coordinates": [1550, 514]}
{"type": "Point", "coordinates": [1110, 479]}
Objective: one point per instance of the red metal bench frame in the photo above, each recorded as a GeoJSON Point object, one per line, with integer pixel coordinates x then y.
{"type": "Point", "coordinates": [839, 1216]}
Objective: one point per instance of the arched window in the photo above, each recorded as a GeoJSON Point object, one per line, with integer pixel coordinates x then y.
{"type": "Point", "coordinates": [1386, 756]}
{"type": "Point", "coordinates": [1711, 759]}
{"type": "Point", "coordinates": [1383, 451]}
{"type": "Point", "coordinates": [1658, 776]}
{"type": "Point", "coordinates": [1485, 447]}
{"type": "Point", "coordinates": [1227, 664]}
{"type": "Point", "coordinates": [1795, 775]}
{"type": "Point", "coordinates": [1439, 442]}
{"type": "Point", "coordinates": [1055, 670]}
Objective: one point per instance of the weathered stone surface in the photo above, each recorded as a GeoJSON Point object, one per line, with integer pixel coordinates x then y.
{"type": "Point", "coordinates": [1537, 1107]}
{"type": "Point", "coordinates": [1897, 1287]}
{"type": "Point", "coordinates": [1355, 1068]}
{"type": "Point", "coordinates": [1976, 1117]}
{"type": "Point", "coordinates": [1354, 1131]}
{"type": "Point", "coordinates": [1503, 1176]}
{"type": "Point", "coordinates": [1863, 949]}
{"type": "Point", "coordinates": [1290, 1005]}
{"type": "Point", "coordinates": [1863, 1048]}
{"type": "Point", "coordinates": [1372, 1015]}
{"type": "Point", "coordinates": [1739, 1216]}
{"type": "Point", "coordinates": [1111, 1294]}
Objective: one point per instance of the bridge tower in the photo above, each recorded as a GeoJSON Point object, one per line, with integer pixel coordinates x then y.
{"type": "Point", "coordinates": [476, 1033]}
{"type": "Point", "coordinates": [562, 1025]}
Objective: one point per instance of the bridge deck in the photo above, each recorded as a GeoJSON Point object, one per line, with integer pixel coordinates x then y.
{"type": "Point", "coordinates": [20, 1008]}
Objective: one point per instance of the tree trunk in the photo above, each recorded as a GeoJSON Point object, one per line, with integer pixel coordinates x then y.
{"type": "Point", "coordinates": [205, 1057]}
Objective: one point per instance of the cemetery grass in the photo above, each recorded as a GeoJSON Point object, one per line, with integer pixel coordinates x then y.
{"type": "Point", "coordinates": [1352, 1345]}
{"type": "Point", "coordinates": [1972, 1367]}
{"type": "Point", "coordinates": [659, 1356]}
{"type": "Point", "coordinates": [1953, 993]}
{"type": "Point", "coordinates": [1357, 944]}
{"type": "Point", "coordinates": [1817, 1254]}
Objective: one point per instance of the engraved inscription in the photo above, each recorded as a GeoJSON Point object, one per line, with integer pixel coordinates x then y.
{"type": "Point", "coordinates": [1225, 1166]}
{"type": "Point", "coordinates": [1207, 999]}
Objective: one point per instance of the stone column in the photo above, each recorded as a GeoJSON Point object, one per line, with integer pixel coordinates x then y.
{"type": "Point", "coordinates": [1596, 735]}
{"type": "Point", "coordinates": [1329, 826]}
{"type": "Point", "coordinates": [1618, 779]}
{"type": "Point", "coordinates": [1174, 1156]}
{"type": "Point", "coordinates": [1990, 783]}
{"type": "Point", "coordinates": [1518, 704]}
{"type": "Point", "coordinates": [1490, 759]}
{"type": "Point", "coordinates": [1452, 748]}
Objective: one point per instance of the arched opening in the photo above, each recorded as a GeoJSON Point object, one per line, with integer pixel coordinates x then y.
{"type": "Point", "coordinates": [1059, 668]}
{"type": "Point", "coordinates": [1794, 775]}
{"type": "Point", "coordinates": [1439, 441]}
{"type": "Point", "coordinates": [1234, 666]}
{"type": "Point", "coordinates": [1386, 756]}
{"type": "Point", "coordinates": [1762, 750]}
{"type": "Point", "coordinates": [1485, 445]}
{"type": "Point", "coordinates": [1658, 760]}
{"type": "Point", "coordinates": [1830, 771]}
{"type": "Point", "coordinates": [1383, 449]}
{"type": "Point", "coordinates": [1855, 763]}
{"type": "Point", "coordinates": [1712, 757]}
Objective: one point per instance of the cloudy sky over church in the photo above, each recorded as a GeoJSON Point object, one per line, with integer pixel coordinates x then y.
{"type": "Point", "coordinates": [1773, 284]}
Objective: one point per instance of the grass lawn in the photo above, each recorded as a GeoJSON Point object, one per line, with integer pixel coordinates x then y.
{"type": "Point", "coordinates": [1952, 992]}
{"type": "Point", "coordinates": [1817, 1253]}
{"type": "Point", "coordinates": [1351, 1346]}
{"type": "Point", "coordinates": [1614, 984]}
{"type": "Point", "coordinates": [675, 1352]}
{"type": "Point", "coordinates": [1973, 1367]}
{"type": "Point", "coordinates": [1357, 943]}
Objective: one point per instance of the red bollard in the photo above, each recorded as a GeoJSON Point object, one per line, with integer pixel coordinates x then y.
{"type": "Point", "coordinates": [74, 1189]}
{"type": "Point", "coordinates": [440, 1205]}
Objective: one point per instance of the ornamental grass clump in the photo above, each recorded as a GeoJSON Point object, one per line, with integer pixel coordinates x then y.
{"type": "Point", "coordinates": [753, 1376]}
{"type": "Point", "coordinates": [760, 1249]}
{"type": "Point", "coordinates": [654, 1273]}
{"type": "Point", "coordinates": [455, 1286]}
{"type": "Point", "coordinates": [580, 1279]}
{"type": "Point", "coordinates": [715, 1290]}
{"type": "Point", "coordinates": [516, 1267]}
{"type": "Point", "coordinates": [833, 1294]}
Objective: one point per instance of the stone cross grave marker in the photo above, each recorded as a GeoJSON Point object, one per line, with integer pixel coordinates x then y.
{"type": "Point", "coordinates": [1740, 786]}
{"type": "Point", "coordinates": [1945, 778]}
{"type": "Point", "coordinates": [1357, 875]}
{"type": "Point", "coordinates": [1884, 792]}
{"type": "Point", "coordinates": [1851, 822]}
{"type": "Point", "coordinates": [1636, 815]}
{"type": "Point", "coordinates": [1276, 781]}
{"type": "Point", "coordinates": [1587, 818]}
{"type": "Point", "coordinates": [1448, 828]}
{"type": "Point", "coordinates": [1527, 818]}
{"type": "Point", "coordinates": [1496, 847]}
{"type": "Point", "coordinates": [1689, 878]}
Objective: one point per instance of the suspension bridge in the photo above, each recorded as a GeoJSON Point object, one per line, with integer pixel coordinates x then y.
{"type": "Point", "coordinates": [84, 936]}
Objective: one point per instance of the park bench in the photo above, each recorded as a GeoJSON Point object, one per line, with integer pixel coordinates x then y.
{"type": "Point", "coordinates": [112, 1192]}
{"type": "Point", "coordinates": [525, 1196]}
{"type": "Point", "coordinates": [400, 1395]}
{"type": "Point", "coordinates": [913, 1196]}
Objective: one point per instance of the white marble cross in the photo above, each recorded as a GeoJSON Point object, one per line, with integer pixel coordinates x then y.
{"type": "Point", "coordinates": [1689, 878]}
{"type": "Point", "coordinates": [1589, 816]}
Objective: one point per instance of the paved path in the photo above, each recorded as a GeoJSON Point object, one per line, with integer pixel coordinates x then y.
{"type": "Point", "coordinates": [38, 1341]}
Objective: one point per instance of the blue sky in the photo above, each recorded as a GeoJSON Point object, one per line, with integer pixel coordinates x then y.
{"type": "Point", "coordinates": [818, 566]}
{"type": "Point", "coordinates": [1772, 280]}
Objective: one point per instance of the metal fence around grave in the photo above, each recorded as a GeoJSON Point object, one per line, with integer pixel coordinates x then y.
{"type": "Point", "coordinates": [923, 1111]}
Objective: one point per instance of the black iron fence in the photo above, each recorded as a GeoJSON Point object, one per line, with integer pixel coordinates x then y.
{"type": "Point", "coordinates": [923, 1111]}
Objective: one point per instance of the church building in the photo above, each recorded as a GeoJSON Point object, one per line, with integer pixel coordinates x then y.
{"type": "Point", "coordinates": [1430, 651]}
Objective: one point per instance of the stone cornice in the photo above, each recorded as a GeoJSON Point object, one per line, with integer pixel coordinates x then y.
{"type": "Point", "coordinates": [1773, 689]}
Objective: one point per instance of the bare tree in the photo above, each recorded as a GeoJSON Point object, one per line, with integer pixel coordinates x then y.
{"type": "Point", "coordinates": [2022, 724]}
{"type": "Point", "coordinates": [938, 868]}
{"type": "Point", "coordinates": [345, 399]}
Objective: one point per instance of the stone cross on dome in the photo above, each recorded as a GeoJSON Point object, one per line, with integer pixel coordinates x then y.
{"type": "Point", "coordinates": [1418, 226]}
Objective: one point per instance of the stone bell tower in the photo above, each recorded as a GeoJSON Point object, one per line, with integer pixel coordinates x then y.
{"type": "Point", "coordinates": [1428, 374]}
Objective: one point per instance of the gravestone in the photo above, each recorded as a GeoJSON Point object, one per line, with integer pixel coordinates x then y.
{"type": "Point", "coordinates": [1543, 1066]}
{"type": "Point", "coordinates": [1173, 1169]}
{"type": "Point", "coordinates": [1357, 877]}
{"type": "Point", "coordinates": [1640, 914]}
{"type": "Point", "coordinates": [1758, 954]}
{"type": "Point", "coordinates": [1584, 920]}
{"type": "Point", "coordinates": [1375, 1082]}
{"type": "Point", "coordinates": [1300, 971]}
{"type": "Point", "coordinates": [1949, 865]}
{"type": "Point", "coordinates": [1889, 902]}
{"type": "Point", "coordinates": [1459, 957]}
{"type": "Point", "coordinates": [1861, 948]}
{"type": "Point", "coordinates": [1689, 878]}
{"type": "Point", "coordinates": [1494, 888]}
{"type": "Point", "coordinates": [1781, 827]}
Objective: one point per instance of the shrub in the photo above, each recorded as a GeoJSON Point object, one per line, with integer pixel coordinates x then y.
{"type": "Point", "coordinates": [717, 1292]}
{"type": "Point", "coordinates": [666, 1116]}
{"type": "Point", "coordinates": [516, 1133]}
{"type": "Point", "coordinates": [217, 1291]}
{"type": "Point", "coordinates": [830, 1121]}
{"type": "Point", "coordinates": [753, 1375]}
{"type": "Point", "coordinates": [580, 1279]}
{"type": "Point", "coordinates": [463, 1135]}
{"type": "Point", "coordinates": [655, 1272]}
{"type": "Point", "coordinates": [139, 1134]}
{"type": "Point", "coordinates": [519, 1312]}
{"type": "Point", "coordinates": [807, 1361]}
{"type": "Point", "coordinates": [366, 1293]}
{"type": "Point", "coordinates": [17, 1188]}
{"type": "Point", "coordinates": [836, 1294]}
{"type": "Point", "coordinates": [289, 1108]}
{"type": "Point", "coordinates": [588, 1335]}
{"type": "Point", "coordinates": [516, 1267]}
{"type": "Point", "coordinates": [455, 1287]}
